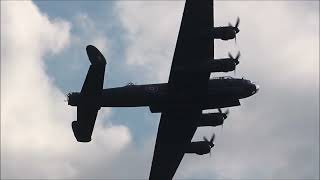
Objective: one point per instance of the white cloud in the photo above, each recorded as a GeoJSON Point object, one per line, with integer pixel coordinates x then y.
{"type": "Point", "coordinates": [36, 135]}
{"type": "Point", "coordinates": [152, 29]}
{"type": "Point", "coordinates": [89, 33]}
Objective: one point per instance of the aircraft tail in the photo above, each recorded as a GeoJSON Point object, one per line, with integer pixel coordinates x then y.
{"type": "Point", "coordinates": [87, 101]}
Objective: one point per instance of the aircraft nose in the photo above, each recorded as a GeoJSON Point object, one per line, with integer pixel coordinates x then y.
{"type": "Point", "coordinates": [255, 88]}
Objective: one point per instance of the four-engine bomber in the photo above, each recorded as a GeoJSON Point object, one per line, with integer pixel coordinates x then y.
{"type": "Point", "coordinates": [181, 101]}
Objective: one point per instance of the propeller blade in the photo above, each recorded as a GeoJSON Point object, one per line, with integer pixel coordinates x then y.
{"type": "Point", "coordinates": [237, 22]}
{"type": "Point", "coordinates": [237, 25]}
{"type": "Point", "coordinates": [237, 58]}
{"type": "Point", "coordinates": [212, 138]}
{"type": "Point", "coordinates": [227, 112]}
{"type": "Point", "coordinates": [238, 55]}
{"type": "Point", "coordinates": [205, 139]}
{"type": "Point", "coordinates": [230, 25]}
{"type": "Point", "coordinates": [230, 55]}
{"type": "Point", "coordinates": [66, 97]}
{"type": "Point", "coordinates": [219, 110]}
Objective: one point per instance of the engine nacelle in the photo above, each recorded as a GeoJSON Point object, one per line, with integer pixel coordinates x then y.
{"type": "Point", "coordinates": [224, 33]}
{"type": "Point", "coordinates": [198, 147]}
{"type": "Point", "coordinates": [221, 65]}
{"type": "Point", "coordinates": [217, 65]}
{"type": "Point", "coordinates": [76, 99]}
{"type": "Point", "coordinates": [211, 119]}
{"type": "Point", "coordinates": [73, 99]}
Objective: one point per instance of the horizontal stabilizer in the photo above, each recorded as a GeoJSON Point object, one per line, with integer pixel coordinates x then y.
{"type": "Point", "coordinates": [83, 127]}
{"type": "Point", "coordinates": [87, 101]}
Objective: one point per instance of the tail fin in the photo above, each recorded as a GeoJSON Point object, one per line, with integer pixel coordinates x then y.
{"type": "Point", "coordinates": [88, 106]}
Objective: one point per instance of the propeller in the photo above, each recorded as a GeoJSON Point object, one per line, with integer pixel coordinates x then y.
{"type": "Point", "coordinates": [235, 60]}
{"type": "Point", "coordinates": [235, 28]}
{"type": "Point", "coordinates": [225, 115]}
{"type": "Point", "coordinates": [66, 98]}
{"type": "Point", "coordinates": [210, 142]}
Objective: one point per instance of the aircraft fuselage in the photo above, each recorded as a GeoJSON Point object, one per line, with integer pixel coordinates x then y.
{"type": "Point", "coordinates": [222, 92]}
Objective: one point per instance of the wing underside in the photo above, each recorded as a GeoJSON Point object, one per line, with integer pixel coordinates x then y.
{"type": "Point", "coordinates": [177, 126]}
{"type": "Point", "coordinates": [175, 131]}
{"type": "Point", "coordinates": [193, 45]}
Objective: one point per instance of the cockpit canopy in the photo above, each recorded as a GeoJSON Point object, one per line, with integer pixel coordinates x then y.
{"type": "Point", "coordinates": [223, 77]}
{"type": "Point", "coordinates": [231, 79]}
{"type": "Point", "coordinates": [130, 84]}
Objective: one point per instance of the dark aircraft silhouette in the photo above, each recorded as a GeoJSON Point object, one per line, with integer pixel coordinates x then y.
{"type": "Point", "coordinates": [227, 32]}
{"type": "Point", "coordinates": [201, 147]}
{"type": "Point", "coordinates": [181, 101]}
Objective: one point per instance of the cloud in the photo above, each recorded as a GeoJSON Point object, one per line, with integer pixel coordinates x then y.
{"type": "Point", "coordinates": [151, 34]}
{"type": "Point", "coordinates": [36, 136]}
{"type": "Point", "coordinates": [89, 33]}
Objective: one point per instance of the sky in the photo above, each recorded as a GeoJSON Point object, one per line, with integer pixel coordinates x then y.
{"type": "Point", "coordinates": [272, 135]}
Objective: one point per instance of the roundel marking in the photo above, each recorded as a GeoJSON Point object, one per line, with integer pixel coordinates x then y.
{"type": "Point", "coordinates": [151, 89]}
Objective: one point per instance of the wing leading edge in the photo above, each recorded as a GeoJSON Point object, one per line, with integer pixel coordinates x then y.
{"type": "Point", "coordinates": [177, 126]}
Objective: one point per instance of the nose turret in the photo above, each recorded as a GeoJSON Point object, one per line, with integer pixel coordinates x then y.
{"type": "Point", "coordinates": [257, 88]}
{"type": "Point", "coordinates": [253, 88]}
{"type": "Point", "coordinates": [249, 89]}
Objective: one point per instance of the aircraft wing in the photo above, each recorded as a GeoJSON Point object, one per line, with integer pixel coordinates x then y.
{"type": "Point", "coordinates": [194, 46]}
{"type": "Point", "coordinates": [175, 131]}
{"type": "Point", "coordinates": [178, 125]}
{"type": "Point", "coordinates": [83, 127]}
